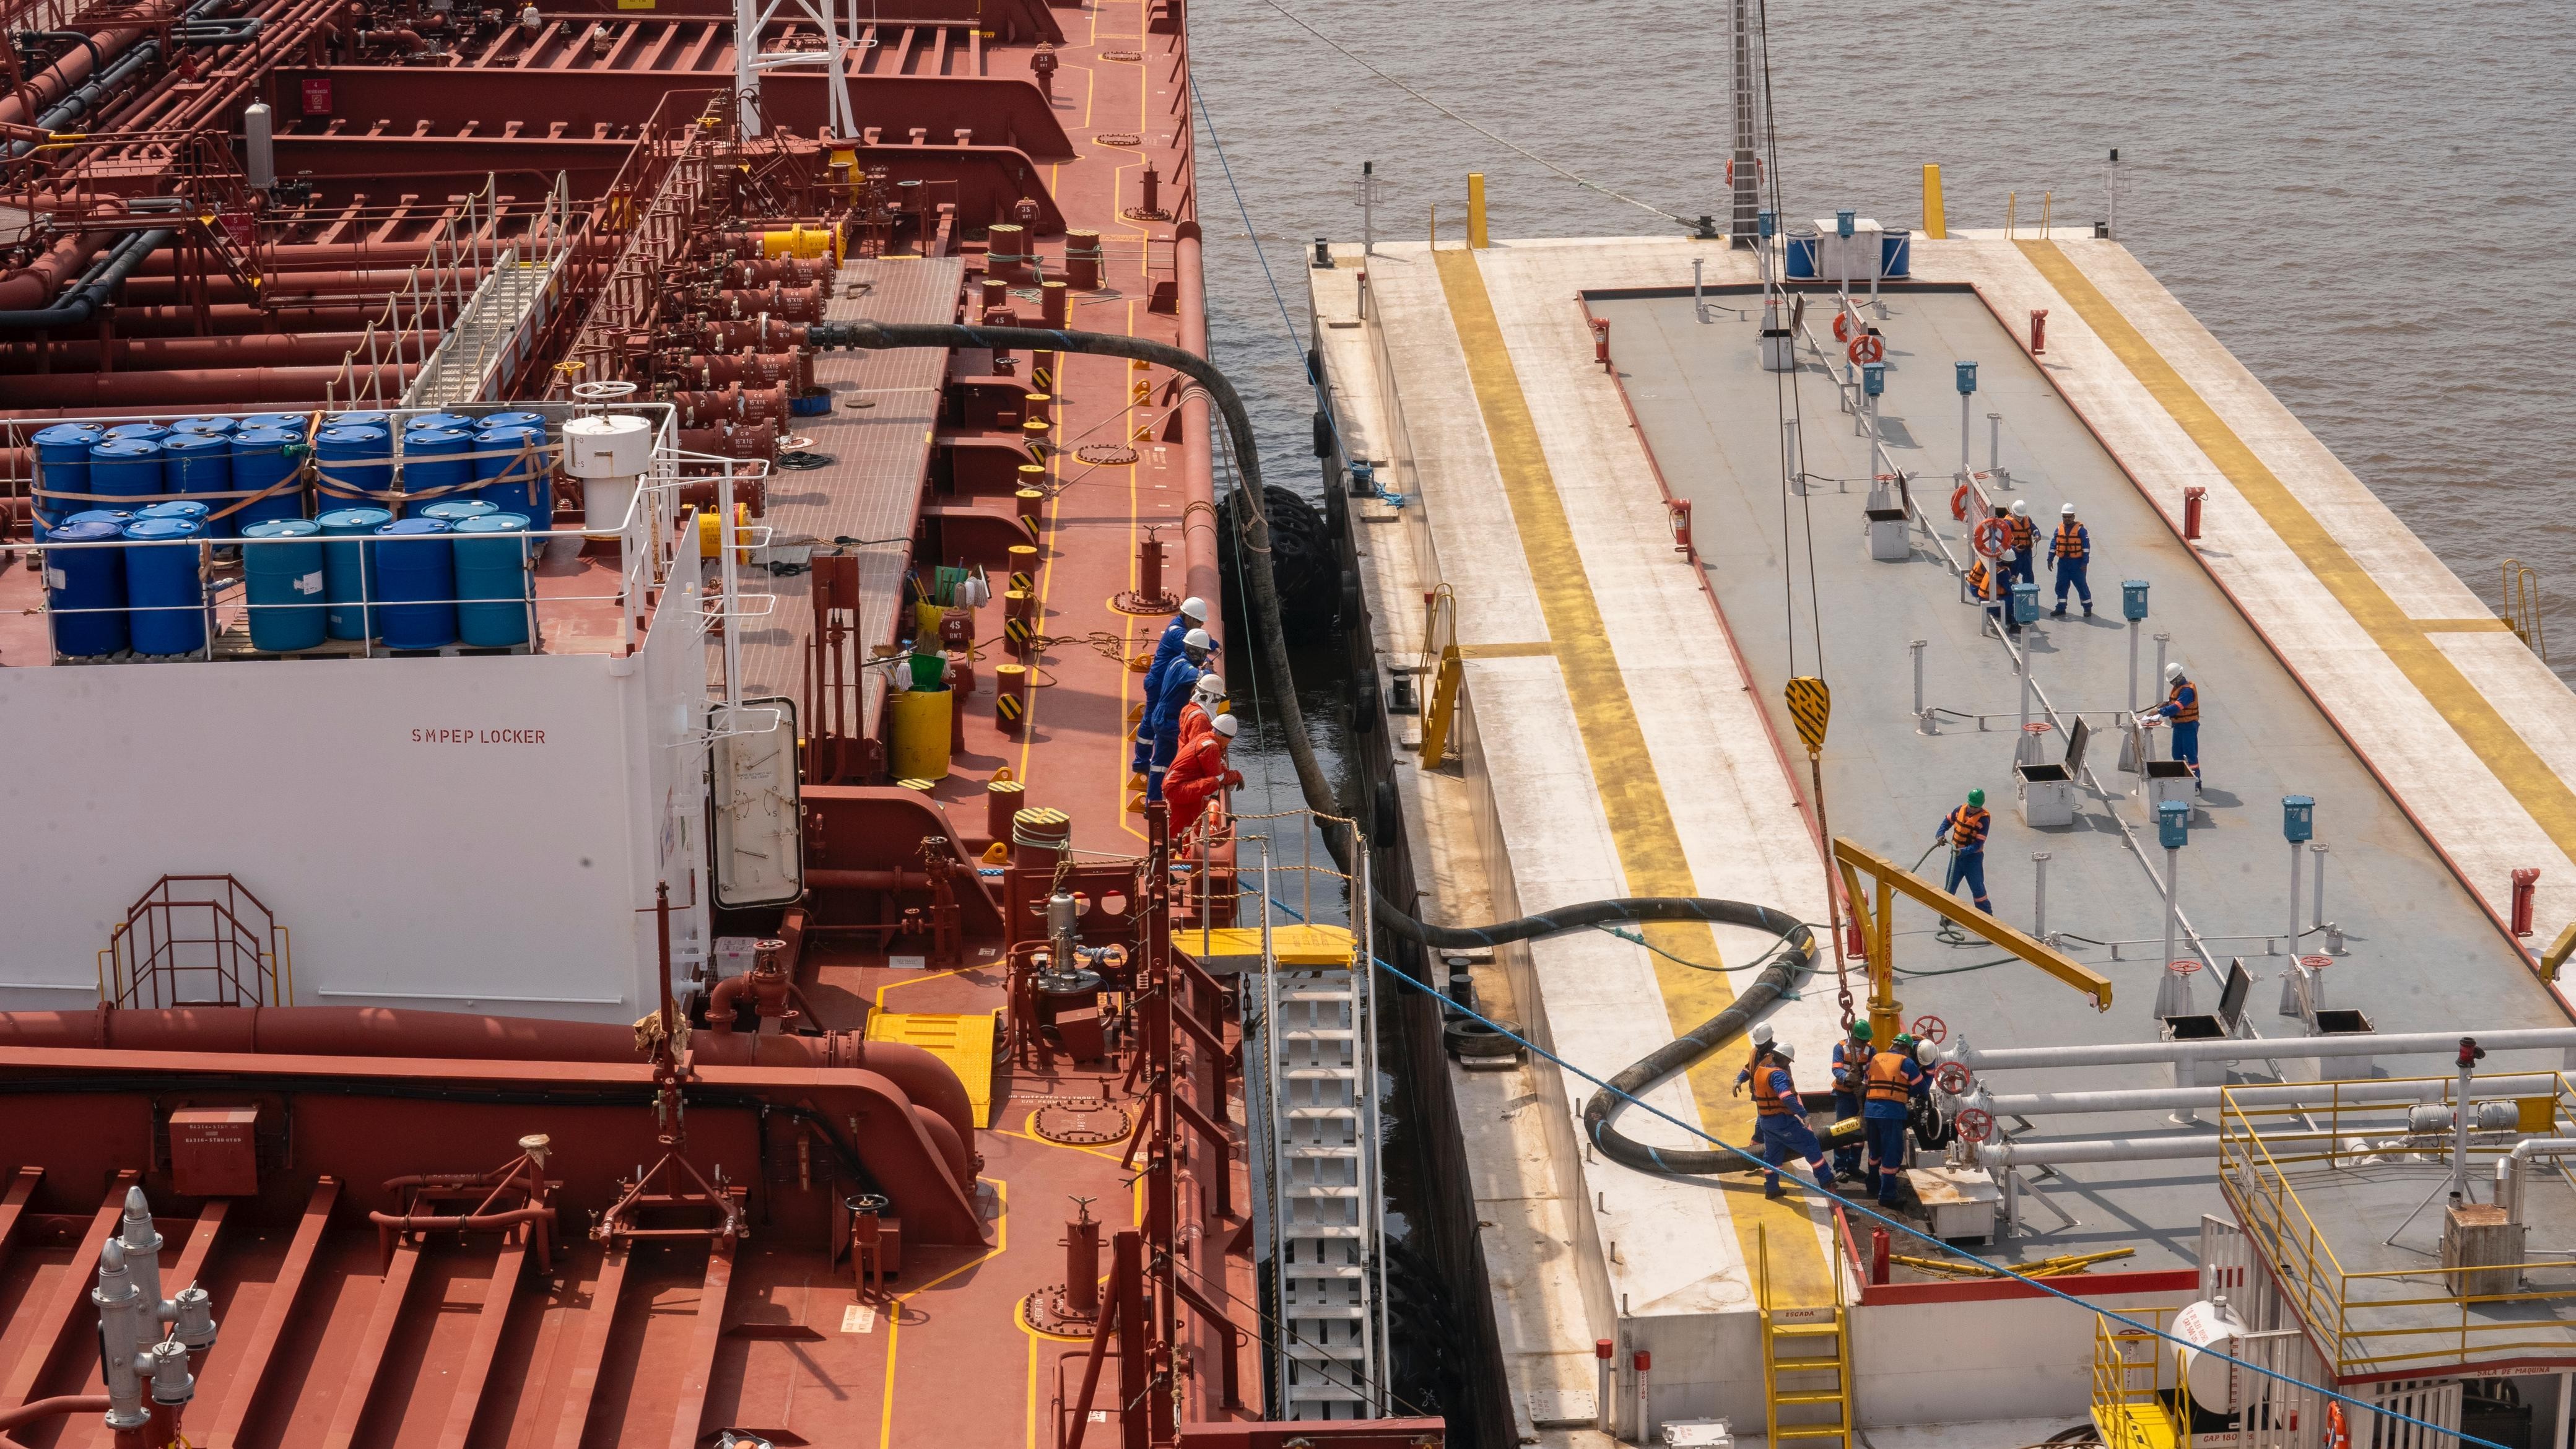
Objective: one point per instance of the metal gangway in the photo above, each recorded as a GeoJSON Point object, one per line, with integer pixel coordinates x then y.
{"type": "Point", "coordinates": [1315, 1138]}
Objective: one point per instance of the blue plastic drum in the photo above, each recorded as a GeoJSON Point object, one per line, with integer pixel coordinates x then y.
{"type": "Point", "coordinates": [126, 468]}
{"type": "Point", "coordinates": [435, 461]}
{"type": "Point", "coordinates": [163, 587]}
{"type": "Point", "coordinates": [263, 422]}
{"type": "Point", "coordinates": [200, 462]}
{"type": "Point", "coordinates": [349, 570]}
{"type": "Point", "coordinates": [151, 432]}
{"type": "Point", "coordinates": [85, 587]}
{"type": "Point", "coordinates": [416, 567]}
{"type": "Point", "coordinates": [262, 459]}
{"type": "Point", "coordinates": [489, 421]}
{"type": "Point", "coordinates": [186, 508]}
{"type": "Point", "coordinates": [358, 420]}
{"type": "Point", "coordinates": [62, 466]}
{"type": "Point", "coordinates": [354, 460]}
{"type": "Point", "coordinates": [422, 422]}
{"type": "Point", "coordinates": [118, 516]}
{"type": "Point", "coordinates": [512, 466]}
{"type": "Point", "coordinates": [1896, 254]}
{"type": "Point", "coordinates": [283, 578]}
{"type": "Point", "coordinates": [205, 425]}
{"type": "Point", "coordinates": [492, 574]}
{"type": "Point", "coordinates": [456, 510]}
{"type": "Point", "coordinates": [1802, 252]}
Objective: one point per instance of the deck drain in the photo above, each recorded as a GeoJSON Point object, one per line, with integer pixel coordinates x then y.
{"type": "Point", "coordinates": [1081, 1121]}
{"type": "Point", "coordinates": [1106, 455]}
{"type": "Point", "coordinates": [1118, 138]}
{"type": "Point", "coordinates": [1126, 55]}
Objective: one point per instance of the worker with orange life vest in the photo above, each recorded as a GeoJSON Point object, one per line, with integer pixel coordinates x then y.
{"type": "Point", "coordinates": [1761, 1035]}
{"type": "Point", "coordinates": [2019, 534]}
{"type": "Point", "coordinates": [1780, 1120]}
{"type": "Point", "coordinates": [2070, 553]}
{"type": "Point", "coordinates": [2182, 707]}
{"type": "Point", "coordinates": [1891, 1082]}
{"type": "Point", "coordinates": [1199, 773]}
{"type": "Point", "coordinates": [1965, 829]}
{"type": "Point", "coordinates": [1993, 588]}
{"type": "Point", "coordinates": [1851, 1057]}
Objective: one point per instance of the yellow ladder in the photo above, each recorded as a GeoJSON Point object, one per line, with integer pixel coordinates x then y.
{"type": "Point", "coordinates": [1805, 1345]}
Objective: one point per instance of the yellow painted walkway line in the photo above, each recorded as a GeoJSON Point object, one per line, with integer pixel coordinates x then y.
{"type": "Point", "coordinates": [1623, 774]}
{"type": "Point", "coordinates": [2407, 642]}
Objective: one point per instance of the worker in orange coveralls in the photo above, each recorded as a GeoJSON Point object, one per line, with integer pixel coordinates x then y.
{"type": "Point", "coordinates": [1207, 701]}
{"type": "Point", "coordinates": [1199, 774]}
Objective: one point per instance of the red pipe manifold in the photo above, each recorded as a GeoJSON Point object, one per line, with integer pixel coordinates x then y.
{"type": "Point", "coordinates": [739, 440]}
{"type": "Point", "coordinates": [753, 369]}
{"type": "Point", "coordinates": [792, 304]}
{"type": "Point", "coordinates": [763, 333]}
{"type": "Point", "coordinates": [721, 407]}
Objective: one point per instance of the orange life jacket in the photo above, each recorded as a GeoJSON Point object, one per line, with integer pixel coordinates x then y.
{"type": "Point", "coordinates": [2185, 701]}
{"type": "Point", "coordinates": [2072, 541]}
{"type": "Point", "coordinates": [1887, 1077]}
{"type": "Point", "coordinates": [1767, 1100]}
{"type": "Point", "coordinates": [1968, 826]}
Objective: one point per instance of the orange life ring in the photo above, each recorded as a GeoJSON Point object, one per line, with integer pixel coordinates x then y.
{"type": "Point", "coordinates": [1867, 348]}
{"type": "Point", "coordinates": [2337, 1436]}
{"type": "Point", "coordinates": [1958, 509]}
{"type": "Point", "coordinates": [1990, 536]}
{"type": "Point", "coordinates": [1842, 327]}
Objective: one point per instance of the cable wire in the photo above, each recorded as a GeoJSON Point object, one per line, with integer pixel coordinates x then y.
{"type": "Point", "coordinates": [1520, 150]}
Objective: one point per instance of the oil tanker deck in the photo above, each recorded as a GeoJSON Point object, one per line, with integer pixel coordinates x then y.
{"type": "Point", "coordinates": [1676, 555]}
{"type": "Point", "coordinates": [574, 878]}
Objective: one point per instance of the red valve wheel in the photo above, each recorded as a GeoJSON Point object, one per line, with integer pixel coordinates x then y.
{"type": "Point", "coordinates": [1954, 1078]}
{"type": "Point", "coordinates": [1975, 1124]}
{"type": "Point", "coordinates": [1959, 502]}
{"type": "Point", "coordinates": [1867, 348]}
{"type": "Point", "coordinates": [1842, 327]}
{"type": "Point", "coordinates": [1990, 537]}
{"type": "Point", "coordinates": [1932, 1029]}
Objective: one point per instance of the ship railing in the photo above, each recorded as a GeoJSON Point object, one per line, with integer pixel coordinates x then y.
{"type": "Point", "coordinates": [2135, 1381]}
{"type": "Point", "coordinates": [197, 940]}
{"type": "Point", "coordinates": [2377, 1321]}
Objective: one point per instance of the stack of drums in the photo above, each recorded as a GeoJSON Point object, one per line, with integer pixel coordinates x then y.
{"type": "Point", "coordinates": [62, 466]}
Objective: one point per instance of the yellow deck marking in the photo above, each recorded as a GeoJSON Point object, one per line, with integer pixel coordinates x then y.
{"type": "Point", "coordinates": [1506, 651]}
{"type": "Point", "coordinates": [2464, 626]}
{"type": "Point", "coordinates": [1623, 774]}
{"type": "Point", "coordinates": [894, 1305]}
{"type": "Point", "coordinates": [2407, 642]}
{"type": "Point", "coordinates": [964, 1040]}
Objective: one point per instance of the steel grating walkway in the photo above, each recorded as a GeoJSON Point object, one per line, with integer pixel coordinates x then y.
{"type": "Point", "coordinates": [885, 407]}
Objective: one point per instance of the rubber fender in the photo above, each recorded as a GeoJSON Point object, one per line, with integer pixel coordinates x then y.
{"type": "Point", "coordinates": [1351, 611]}
{"type": "Point", "coordinates": [1323, 435]}
{"type": "Point", "coordinates": [1469, 1037]}
{"type": "Point", "coordinates": [1386, 811]}
{"type": "Point", "coordinates": [1365, 708]}
{"type": "Point", "coordinates": [1337, 508]}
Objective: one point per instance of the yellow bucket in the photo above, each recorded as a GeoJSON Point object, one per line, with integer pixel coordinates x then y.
{"type": "Point", "coordinates": [921, 734]}
{"type": "Point", "coordinates": [709, 541]}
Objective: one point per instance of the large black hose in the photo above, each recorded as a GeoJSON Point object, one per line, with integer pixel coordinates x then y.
{"type": "Point", "coordinates": [81, 300]}
{"type": "Point", "coordinates": [1311, 779]}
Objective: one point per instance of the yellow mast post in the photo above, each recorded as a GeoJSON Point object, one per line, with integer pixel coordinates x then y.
{"type": "Point", "coordinates": [1935, 228]}
{"type": "Point", "coordinates": [1476, 210]}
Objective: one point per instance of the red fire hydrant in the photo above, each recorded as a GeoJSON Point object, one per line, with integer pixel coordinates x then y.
{"type": "Point", "coordinates": [1601, 342]}
{"type": "Point", "coordinates": [2191, 512]}
{"type": "Point", "coordinates": [2526, 885]}
{"type": "Point", "coordinates": [2038, 330]}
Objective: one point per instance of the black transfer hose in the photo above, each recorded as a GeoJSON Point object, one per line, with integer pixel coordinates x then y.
{"type": "Point", "coordinates": [1311, 779]}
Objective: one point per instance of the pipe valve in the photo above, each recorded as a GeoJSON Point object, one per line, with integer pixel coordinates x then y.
{"type": "Point", "coordinates": [195, 1326]}
{"type": "Point", "coordinates": [172, 1384]}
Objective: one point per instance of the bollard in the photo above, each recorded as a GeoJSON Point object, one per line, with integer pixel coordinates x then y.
{"type": "Point", "coordinates": [1082, 260]}
{"type": "Point", "coordinates": [1024, 569]}
{"type": "Point", "coordinates": [1082, 1261]}
{"type": "Point", "coordinates": [1037, 407]}
{"type": "Point", "coordinates": [1031, 504]}
{"type": "Point", "coordinates": [1151, 203]}
{"type": "Point", "coordinates": [2191, 498]}
{"type": "Point", "coordinates": [1011, 697]}
{"type": "Point", "coordinates": [997, 293]}
{"type": "Point", "coordinates": [1003, 797]}
{"type": "Point", "coordinates": [1054, 303]}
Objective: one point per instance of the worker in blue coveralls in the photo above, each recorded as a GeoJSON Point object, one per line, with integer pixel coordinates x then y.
{"type": "Point", "coordinates": [2182, 707]}
{"type": "Point", "coordinates": [1761, 1035]}
{"type": "Point", "coordinates": [1780, 1118]}
{"type": "Point", "coordinates": [1893, 1081]}
{"type": "Point", "coordinates": [1163, 711]}
{"type": "Point", "coordinates": [1965, 828]}
{"type": "Point", "coordinates": [2070, 553]}
{"type": "Point", "coordinates": [1166, 649]}
{"type": "Point", "coordinates": [2019, 534]}
{"type": "Point", "coordinates": [1851, 1058]}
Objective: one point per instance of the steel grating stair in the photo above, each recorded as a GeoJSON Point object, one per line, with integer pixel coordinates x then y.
{"type": "Point", "coordinates": [1324, 1193]}
{"type": "Point", "coordinates": [489, 337]}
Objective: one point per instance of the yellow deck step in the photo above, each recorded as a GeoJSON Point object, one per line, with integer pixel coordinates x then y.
{"type": "Point", "coordinates": [1296, 945]}
{"type": "Point", "coordinates": [2135, 1426]}
{"type": "Point", "coordinates": [1818, 1396]}
{"type": "Point", "coordinates": [963, 1040]}
{"type": "Point", "coordinates": [1813, 1431]}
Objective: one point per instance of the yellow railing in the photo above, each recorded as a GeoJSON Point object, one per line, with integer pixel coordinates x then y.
{"type": "Point", "coordinates": [2522, 606]}
{"type": "Point", "coordinates": [2377, 1320]}
{"type": "Point", "coordinates": [2133, 1373]}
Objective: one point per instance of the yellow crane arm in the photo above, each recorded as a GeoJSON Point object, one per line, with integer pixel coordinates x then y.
{"type": "Point", "coordinates": [1855, 861]}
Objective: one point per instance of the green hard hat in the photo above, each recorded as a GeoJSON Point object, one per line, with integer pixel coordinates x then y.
{"type": "Point", "coordinates": [1860, 1031]}
{"type": "Point", "coordinates": [1904, 1041]}
{"type": "Point", "coordinates": [1976, 797]}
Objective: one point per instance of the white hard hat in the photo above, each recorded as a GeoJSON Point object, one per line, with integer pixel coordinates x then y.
{"type": "Point", "coordinates": [1225, 725]}
{"type": "Point", "coordinates": [1785, 1051]}
{"type": "Point", "coordinates": [2173, 671]}
{"type": "Point", "coordinates": [1195, 639]}
{"type": "Point", "coordinates": [1211, 686]}
{"type": "Point", "coordinates": [2021, 509]}
{"type": "Point", "coordinates": [2008, 555]}
{"type": "Point", "coordinates": [1925, 1051]}
{"type": "Point", "coordinates": [1761, 1033]}
{"type": "Point", "coordinates": [2066, 510]}
{"type": "Point", "coordinates": [1194, 609]}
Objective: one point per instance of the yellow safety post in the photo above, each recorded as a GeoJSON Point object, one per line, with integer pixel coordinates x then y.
{"type": "Point", "coordinates": [1934, 227]}
{"type": "Point", "coordinates": [1476, 211]}
{"type": "Point", "coordinates": [2565, 946]}
{"type": "Point", "coordinates": [1885, 1014]}
{"type": "Point", "coordinates": [1435, 226]}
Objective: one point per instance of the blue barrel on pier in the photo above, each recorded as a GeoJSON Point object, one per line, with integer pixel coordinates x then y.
{"type": "Point", "coordinates": [356, 461]}
{"type": "Point", "coordinates": [349, 570]}
{"type": "Point", "coordinates": [416, 568]}
{"type": "Point", "coordinates": [125, 468]}
{"type": "Point", "coordinates": [1802, 252]}
{"type": "Point", "coordinates": [1896, 254]}
{"type": "Point", "coordinates": [492, 577]}
{"type": "Point", "coordinates": [164, 591]}
{"type": "Point", "coordinates": [205, 425]}
{"type": "Point", "coordinates": [512, 466]}
{"type": "Point", "coordinates": [435, 459]}
{"type": "Point", "coordinates": [200, 462]}
{"type": "Point", "coordinates": [149, 432]}
{"type": "Point", "coordinates": [85, 589]}
{"type": "Point", "coordinates": [262, 459]}
{"type": "Point", "coordinates": [282, 576]}
{"type": "Point", "coordinates": [62, 466]}
{"type": "Point", "coordinates": [454, 511]}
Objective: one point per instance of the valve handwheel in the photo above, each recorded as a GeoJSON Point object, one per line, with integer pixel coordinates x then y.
{"type": "Point", "coordinates": [1954, 1078]}
{"type": "Point", "coordinates": [1867, 348]}
{"type": "Point", "coordinates": [1932, 1029]}
{"type": "Point", "coordinates": [1976, 1124]}
{"type": "Point", "coordinates": [1989, 537]}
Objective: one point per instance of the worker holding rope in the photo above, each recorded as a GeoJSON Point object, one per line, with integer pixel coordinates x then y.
{"type": "Point", "coordinates": [1193, 613]}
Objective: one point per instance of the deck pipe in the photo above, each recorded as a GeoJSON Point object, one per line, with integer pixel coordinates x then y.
{"type": "Point", "coordinates": [202, 389]}
{"type": "Point", "coordinates": [257, 349]}
{"type": "Point", "coordinates": [2358, 1044]}
{"type": "Point", "coordinates": [78, 303]}
{"type": "Point", "coordinates": [2294, 1094]}
{"type": "Point", "coordinates": [2074, 1152]}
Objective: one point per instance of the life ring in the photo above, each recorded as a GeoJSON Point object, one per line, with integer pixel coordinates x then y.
{"type": "Point", "coordinates": [1867, 348]}
{"type": "Point", "coordinates": [1990, 537]}
{"type": "Point", "coordinates": [2337, 1436]}
{"type": "Point", "coordinates": [1958, 509]}
{"type": "Point", "coordinates": [1842, 327]}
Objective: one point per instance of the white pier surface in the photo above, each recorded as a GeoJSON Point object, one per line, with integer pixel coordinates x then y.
{"type": "Point", "coordinates": [1622, 734]}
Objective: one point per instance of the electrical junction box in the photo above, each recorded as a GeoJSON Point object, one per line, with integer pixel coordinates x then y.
{"type": "Point", "coordinates": [1699, 1434]}
{"type": "Point", "coordinates": [214, 1151]}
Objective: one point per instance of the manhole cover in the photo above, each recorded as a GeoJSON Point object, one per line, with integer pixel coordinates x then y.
{"type": "Point", "coordinates": [1146, 213]}
{"type": "Point", "coordinates": [1049, 1312]}
{"type": "Point", "coordinates": [799, 461]}
{"type": "Point", "coordinates": [1081, 1122]}
{"type": "Point", "coordinates": [1106, 455]}
{"type": "Point", "coordinates": [1127, 55]}
{"type": "Point", "coordinates": [1118, 138]}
